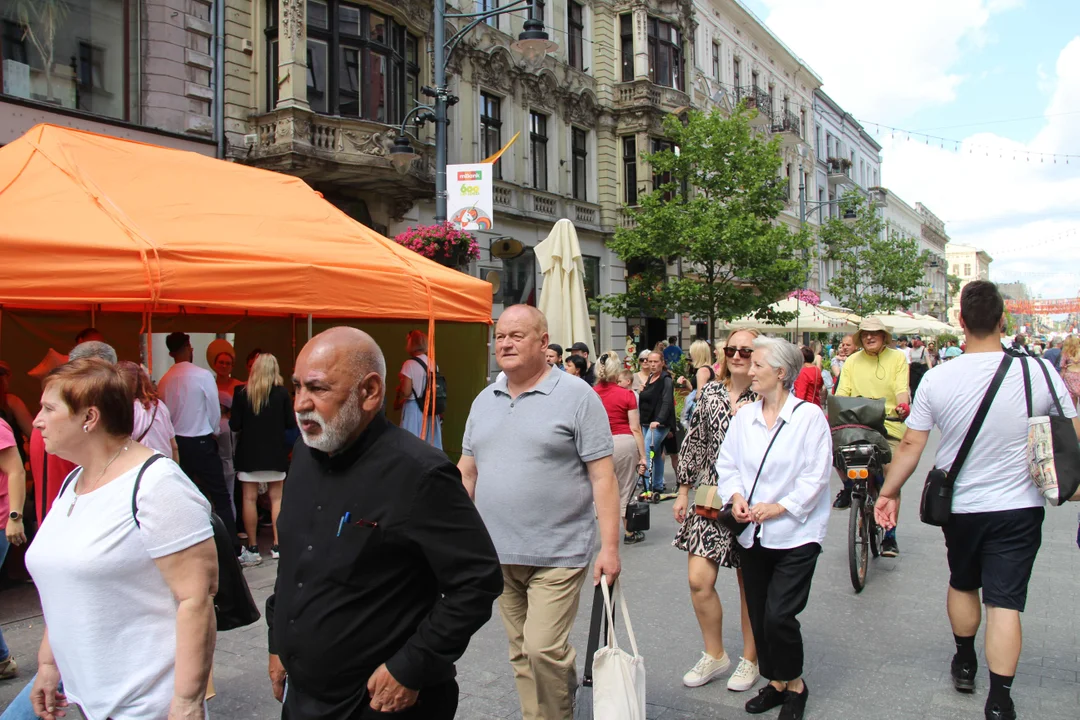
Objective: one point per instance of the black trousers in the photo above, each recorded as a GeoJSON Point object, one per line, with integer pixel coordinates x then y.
{"type": "Point", "coordinates": [777, 586]}
{"type": "Point", "coordinates": [435, 702]}
{"type": "Point", "coordinates": [200, 461]}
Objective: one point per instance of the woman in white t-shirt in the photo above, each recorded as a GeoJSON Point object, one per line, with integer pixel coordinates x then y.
{"type": "Point", "coordinates": [412, 384]}
{"type": "Point", "coordinates": [128, 608]}
{"type": "Point", "coordinates": [153, 424]}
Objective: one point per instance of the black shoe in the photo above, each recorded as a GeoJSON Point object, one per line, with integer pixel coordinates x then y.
{"type": "Point", "coordinates": [794, 704]}
{"type": "Point", "coordinates": [963, 675]}
{"type": "Point", "coordinates": [843, 499]}
{"type": "Point", "coordinates": [767, 698]}
{"type": "Point", "coordinates": [633, 538]}
{"type": "Point", "coordinates": [889, 547]}
{"type": "Point", "coordinates": [998, 712]}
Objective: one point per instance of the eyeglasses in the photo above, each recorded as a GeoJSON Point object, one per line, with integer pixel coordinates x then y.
{"type": "Point", "coordinates": [744, 353]}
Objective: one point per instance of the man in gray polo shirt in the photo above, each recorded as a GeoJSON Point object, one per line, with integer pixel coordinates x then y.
{"type": "Point", "coordinates": [536, 458]}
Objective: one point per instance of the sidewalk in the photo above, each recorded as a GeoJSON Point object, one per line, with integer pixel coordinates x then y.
{"type": "Point", "coordinates": [883, 654]}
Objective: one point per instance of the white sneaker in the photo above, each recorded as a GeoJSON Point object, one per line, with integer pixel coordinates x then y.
{"type": "Point", "coordinates": [744, 677]}
{"type": "Point", "coordinates": [250, 559]}
{"type": "Point", "coordinates": [706, 669]}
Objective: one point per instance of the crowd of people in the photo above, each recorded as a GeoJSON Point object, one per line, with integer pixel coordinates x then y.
{"type": "Point", "coordinates": [391, 556]}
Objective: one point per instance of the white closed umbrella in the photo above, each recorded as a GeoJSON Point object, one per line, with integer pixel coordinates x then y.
{"type": "Point", "coordinates": [562, 298]}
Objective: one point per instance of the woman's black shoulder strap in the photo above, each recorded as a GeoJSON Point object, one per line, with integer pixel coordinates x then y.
{"type": "Point", "coordinates": [138, 481]}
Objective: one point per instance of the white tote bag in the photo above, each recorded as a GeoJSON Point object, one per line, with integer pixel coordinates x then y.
{"type": "Point", "coordinates": [618, 678]}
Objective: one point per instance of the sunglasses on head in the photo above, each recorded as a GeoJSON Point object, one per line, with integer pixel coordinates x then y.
{"type": "Point", "coordinates": [744, 353]}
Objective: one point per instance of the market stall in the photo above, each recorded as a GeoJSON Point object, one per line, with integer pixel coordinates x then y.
{"type": "Point", "coordinates": [136, 238]}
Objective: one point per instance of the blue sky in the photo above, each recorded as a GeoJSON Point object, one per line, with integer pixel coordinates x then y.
{"type": "Point", "coordinates": [957, 69]}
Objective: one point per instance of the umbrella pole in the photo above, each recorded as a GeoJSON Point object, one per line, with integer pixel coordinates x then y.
{"type": "Point", "coordinates": [309, 326]}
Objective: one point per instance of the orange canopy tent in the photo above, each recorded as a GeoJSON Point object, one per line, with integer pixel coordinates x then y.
{"type": "Point", "coordinates": [96, 226]}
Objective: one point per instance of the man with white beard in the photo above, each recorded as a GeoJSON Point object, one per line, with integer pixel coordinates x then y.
{"type": "Point", "coordinates": [386, 568]}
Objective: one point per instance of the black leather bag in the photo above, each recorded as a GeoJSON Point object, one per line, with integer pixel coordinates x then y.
{"type": "Point", "coordinates": [233, 604]}
{"type": "Point", "coordinates": [935, 507]}
{"type": "Point", "coordinates": [726, 516]}
{"type": "Point", "coordinates": [637, 516]}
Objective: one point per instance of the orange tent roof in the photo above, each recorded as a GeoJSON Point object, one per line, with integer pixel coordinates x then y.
{"type": "Point", "coordinates": [92, 219]}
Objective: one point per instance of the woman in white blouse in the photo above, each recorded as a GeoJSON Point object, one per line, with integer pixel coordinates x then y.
{"type": "Point", "coordinates": [788, 511]}
{"type": "Point", "coordinates": [129, 609]}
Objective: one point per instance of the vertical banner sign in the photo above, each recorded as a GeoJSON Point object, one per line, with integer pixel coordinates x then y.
{"type": "Point", "coordinates": [469, 199]}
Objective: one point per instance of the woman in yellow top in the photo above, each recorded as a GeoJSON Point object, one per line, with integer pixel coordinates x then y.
{"type": "Point", "coordinates": [880, 372]}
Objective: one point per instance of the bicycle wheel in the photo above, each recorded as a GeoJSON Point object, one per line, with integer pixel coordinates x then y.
{"type": "Point", "coordinates": [858, 542]}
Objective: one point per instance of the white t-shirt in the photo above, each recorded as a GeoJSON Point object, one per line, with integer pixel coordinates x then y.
{"type": "Point", "coordinates": [110, 613]}
{"type": "Point", "coordinates": [412, 370]}
{"type": "Point", "coordinates": [995, 475]}
{"type": "Point", "coordinates": [159, 436]}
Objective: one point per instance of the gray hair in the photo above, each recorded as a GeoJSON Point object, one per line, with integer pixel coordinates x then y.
{"type": "Point", "coordinates": [93, 349]}
{"type": "Point", "coordinates": [782, 356]}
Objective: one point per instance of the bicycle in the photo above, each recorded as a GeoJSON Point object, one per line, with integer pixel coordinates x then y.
{"type": "Point", "coordinates": [862, 466]}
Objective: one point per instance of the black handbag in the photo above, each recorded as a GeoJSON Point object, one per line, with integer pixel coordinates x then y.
{"type": "Point", "coordinates": [233, 604]}
{"type": "Point", "coordinates": [637, 516]}
{"type": "Point", "coordinates": [726, 516]}
{"type": "Point", "coordinates": [935, 506]}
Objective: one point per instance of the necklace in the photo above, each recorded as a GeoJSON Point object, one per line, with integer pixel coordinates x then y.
{"type": "Point", "coordinates": [100, 475]}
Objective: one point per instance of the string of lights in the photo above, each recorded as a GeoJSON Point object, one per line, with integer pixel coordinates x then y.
{"type": "Point", "coordinates": [882, 130]}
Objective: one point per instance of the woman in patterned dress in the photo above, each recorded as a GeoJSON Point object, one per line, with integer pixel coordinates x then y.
{"type": "Point", "coordinates": [709, 544]}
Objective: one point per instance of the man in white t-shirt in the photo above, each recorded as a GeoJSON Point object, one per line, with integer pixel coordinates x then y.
{"type": "Point", "coordinates": [995, 529]}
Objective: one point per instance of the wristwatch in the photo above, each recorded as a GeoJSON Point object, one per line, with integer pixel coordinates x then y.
{"type": "Point", "coordinates": [13, 515]}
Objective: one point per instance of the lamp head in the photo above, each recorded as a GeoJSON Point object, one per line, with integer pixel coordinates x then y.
{"type": "Point", "coordinates": [533, 43]}
{"type": "Point", "coordinates": [402, 154]}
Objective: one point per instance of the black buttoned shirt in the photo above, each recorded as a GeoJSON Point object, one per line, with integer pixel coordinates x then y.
{"type": "Point", "coordinates": [384, 559]}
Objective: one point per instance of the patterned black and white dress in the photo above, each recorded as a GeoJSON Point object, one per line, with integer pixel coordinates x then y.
{"type": "Point", "coordinates": [697, 466]}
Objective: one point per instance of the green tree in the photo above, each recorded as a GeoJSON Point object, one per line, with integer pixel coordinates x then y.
{"type": "Point", "coordinates": [715, 208]}
{"type": "Point", "coordinates": [879, 269]}
{"type": "Point", "coordinates": [954, 285]}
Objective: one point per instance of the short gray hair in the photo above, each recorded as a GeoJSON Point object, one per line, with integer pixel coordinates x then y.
{"type": "Point", "coordinates": [93, 349]}
{"type": "Point", "coordinates": [782, 356]}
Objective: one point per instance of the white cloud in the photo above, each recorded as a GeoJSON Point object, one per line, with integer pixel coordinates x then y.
{"type": "Point", "coordinates": [885, 59]}
{"type": "Point", "coordinates": [1023, 211]}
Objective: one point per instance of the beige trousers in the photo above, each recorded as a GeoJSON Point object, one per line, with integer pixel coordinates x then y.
{"type": "Point", "coordinates": [538, 607]}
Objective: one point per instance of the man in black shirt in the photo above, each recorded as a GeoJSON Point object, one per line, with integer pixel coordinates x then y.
{"type": "Point", "coordinates": [386, 568]}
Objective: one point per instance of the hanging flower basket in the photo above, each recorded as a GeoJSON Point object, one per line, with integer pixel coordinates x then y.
{"type": "Point", "coordinates": [444, 244]}
{"type": "Point", "coordinates": [807, 296]}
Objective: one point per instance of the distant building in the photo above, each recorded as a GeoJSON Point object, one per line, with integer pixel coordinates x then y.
{"type": "Point", "coordinates": [935, 239]}
{"type": "Point", "coordinates": [967, 263]}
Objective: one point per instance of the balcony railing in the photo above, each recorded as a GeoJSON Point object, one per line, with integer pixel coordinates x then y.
{"type": "Point", "coordinates": [757, 99]}
{"type": "Point", "coordinates": [546, 206]}
{"type": "Point", "coordinates": [787, 121]}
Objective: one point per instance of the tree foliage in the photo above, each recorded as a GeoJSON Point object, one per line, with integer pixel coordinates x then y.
{"type": "Point", "coordinates": [714, 208]}
{"type": "Point", "coordinates": [879, 269]}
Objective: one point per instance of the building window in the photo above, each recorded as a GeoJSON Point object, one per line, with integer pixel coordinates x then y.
{"type": "Point", "coordinates": [629, 163]}
{"type": "Point", "coordinates": [360, 63]}
{"type": "Point", "coordinates": [716, 61]}
{"type": "Point", "coordinates": [967, 270]}
{"type": "Point", "coordinates": [491, 129]}
{"type": "Point", "coordinates": [660, 179]}
{"type": "Point", "coordinates": [580, 172]}
{"type": "Point", "coordinates": [736, 75]}
{"type": "Point", "coordinates": [575, 21]}
{"type": "Point", "coordinates": [538, 149]}
{"type": "Point", "coordinates": [754, 79]}
{"type": "Point", "coordinates": [592, 292]}
{"type": "Point", "coordinates": [488, 6]}
{"type": "Point", "coordinates": [626, 35]}
{"type": "Point", "coordinates": [537, 10]}
{"type": "Point", "coordinates": [519, 279]}
{"type": "Point", "coordinates": [82, 61]}
{"type": "Point", "coordinates": [665, 54]}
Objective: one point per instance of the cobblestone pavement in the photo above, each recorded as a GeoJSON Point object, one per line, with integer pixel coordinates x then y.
{"type": "Point", "coordinates": [883, 654]}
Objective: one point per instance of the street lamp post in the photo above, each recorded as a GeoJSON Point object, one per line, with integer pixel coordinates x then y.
{"type": "Point", "coordinates": [533, 43]}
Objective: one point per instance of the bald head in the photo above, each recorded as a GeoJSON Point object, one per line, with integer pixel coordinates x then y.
{"type": "Point", "coordinates": [528, 314]}
{"type": "Point", "coordinates": [521, 338]}
{"type": "Point", "coordinates": [340, 383]}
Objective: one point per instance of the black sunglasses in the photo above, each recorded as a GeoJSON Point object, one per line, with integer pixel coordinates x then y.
{"type": "Point", "coordinates": [744, 353]}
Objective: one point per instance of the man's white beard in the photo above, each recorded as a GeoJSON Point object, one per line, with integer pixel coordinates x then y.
{"type": "Point", "coordinates": [334, 433]}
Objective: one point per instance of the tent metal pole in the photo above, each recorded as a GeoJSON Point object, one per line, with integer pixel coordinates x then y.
{"type": "Point", "coordinates": [309, 333]}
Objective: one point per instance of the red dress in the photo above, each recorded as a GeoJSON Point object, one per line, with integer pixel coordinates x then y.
{"type": "Point", "coordinates": [809, 384]}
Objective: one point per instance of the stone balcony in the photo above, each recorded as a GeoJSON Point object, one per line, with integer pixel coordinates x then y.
{"type": "Point", "coordinates": [347, 152]}
{"type": "Point", "coordinates": [546, 207]}
{"type": "Point", "coordinates": [646, 95]}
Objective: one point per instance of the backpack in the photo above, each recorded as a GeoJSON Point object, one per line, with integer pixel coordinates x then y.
{"type": "Point", "coordinates": [233, 604]}
{"type": "Point", "coordinates": [440, 389]}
